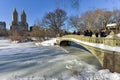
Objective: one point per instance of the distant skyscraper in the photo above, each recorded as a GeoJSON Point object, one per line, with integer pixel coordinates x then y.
{"type": "Point", "coordinates": [2, 26]}
{"type": "Point", "coordinates": [15, 24]}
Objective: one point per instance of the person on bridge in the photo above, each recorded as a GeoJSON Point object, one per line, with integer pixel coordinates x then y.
{"type": "Point", "coordinates": [103, 33]}
{"type": "Point", "coordinates": [96, 34]}
{"type": "Point", "coordinates": [88, 33]}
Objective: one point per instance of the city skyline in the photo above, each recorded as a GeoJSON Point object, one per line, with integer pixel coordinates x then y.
{"type": "Point", "coordinates": [37, 9]}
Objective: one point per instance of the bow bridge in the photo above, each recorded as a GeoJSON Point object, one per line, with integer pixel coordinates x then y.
{"type": "Point", "coordinates": [106, 50]}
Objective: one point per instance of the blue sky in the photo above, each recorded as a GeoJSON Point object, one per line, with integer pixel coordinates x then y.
{"type": "Point", "coordinates": [36, 9]}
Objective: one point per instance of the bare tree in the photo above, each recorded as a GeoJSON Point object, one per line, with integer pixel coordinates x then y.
{"type": "Point", "coordinates": [93, 19]}
{"type": "Point", "coordinates": [55, 20]}
{"type": "Point", "coordinates": [116, 16]}
{"type": "Point", "coordinates": [76, 23]}
{"type": "Point", "coordinates": [18, 35]}
{"type": "Point", "coordinates": [3, 33]}
{"type": "Point", "coordinates": [38, 32]}
{"type": "Point", "coordinates": [106, 18]}
{"type": "Point", "coordinates": [96, 19]}
{"type": "Point", "coordinates": [88, 19]}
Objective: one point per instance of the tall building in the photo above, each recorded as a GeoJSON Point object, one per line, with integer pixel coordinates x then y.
{"type": "Point", "coordinates": [2, 26]}
{"type": "Point", "coordinates": [16, 24]}
{"type": "Point", "coordinates": [23, 24]}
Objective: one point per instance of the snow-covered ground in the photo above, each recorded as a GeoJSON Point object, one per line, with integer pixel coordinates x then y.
{"type": "Point", "coordinates": [28, 61]}
{"type": "Point", "coordinates": [118, 35]}
{"type": "Point", "coordinates": [50, 42]}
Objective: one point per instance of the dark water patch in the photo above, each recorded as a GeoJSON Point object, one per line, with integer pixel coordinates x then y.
{"type": "Point", "coordinates": [77, 46]}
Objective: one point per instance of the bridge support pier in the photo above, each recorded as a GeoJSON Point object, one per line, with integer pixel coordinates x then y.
{"type": "Point", "coordinates": [111, 62]}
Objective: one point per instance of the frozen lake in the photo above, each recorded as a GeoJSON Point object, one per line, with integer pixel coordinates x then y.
{"type": "Point", "coordinates": [21, 61]}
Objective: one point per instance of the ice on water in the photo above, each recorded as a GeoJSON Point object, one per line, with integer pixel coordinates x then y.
{"type": "Point", "coordinates": [28, 61]}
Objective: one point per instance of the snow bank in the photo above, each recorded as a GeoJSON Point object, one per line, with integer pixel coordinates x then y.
{"type": "Point", "coordinates": [50, 42]}
{"type": "Point", "coordinates": [89, 72]}
{"type": "Point", "coordinates": [7, 47]}
{"type": "Point", "coordinates": [99, 75]}
{"type": "Point", "coordinates": [118, 35]}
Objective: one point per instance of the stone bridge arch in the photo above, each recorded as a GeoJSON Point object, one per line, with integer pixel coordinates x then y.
{"type": "Point", "coordinates": [107, 58]}
{"type": "Point", "coordinates": [91, 50]}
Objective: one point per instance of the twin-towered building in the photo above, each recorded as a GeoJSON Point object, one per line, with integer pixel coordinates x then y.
{"type": "Point", "coordinates": [16, 24]}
